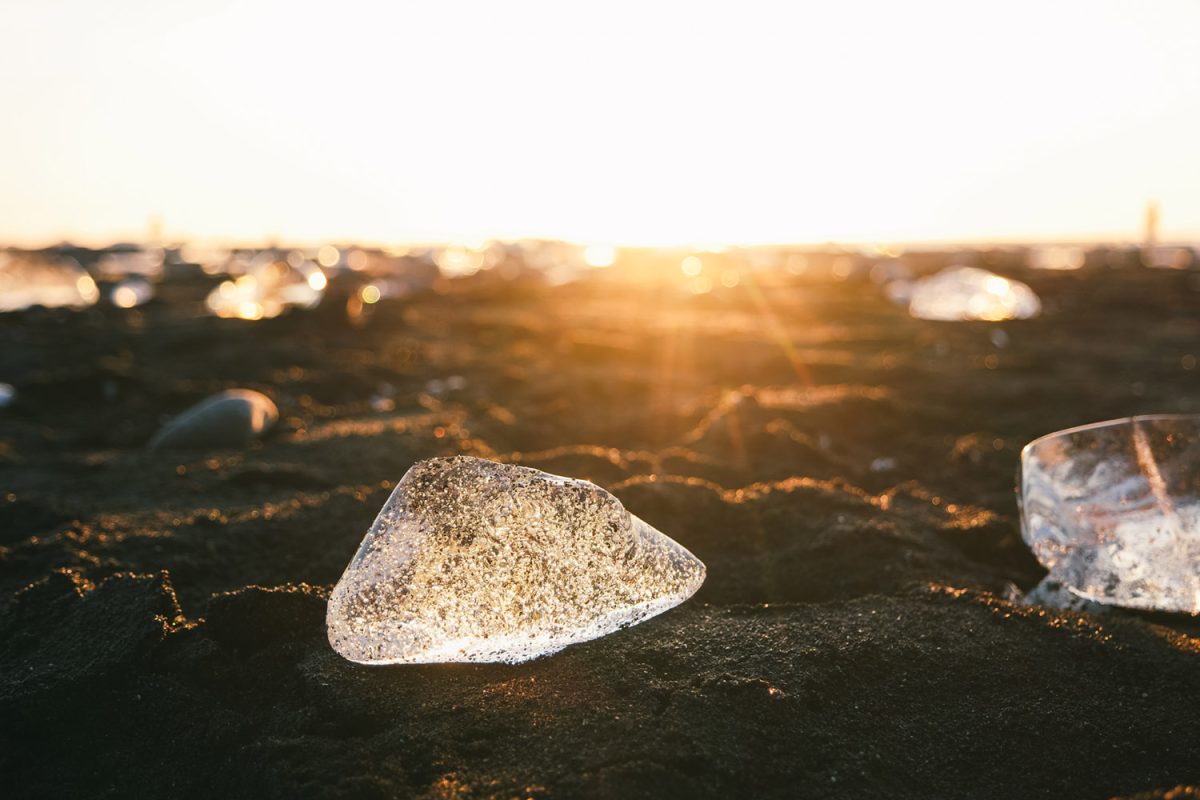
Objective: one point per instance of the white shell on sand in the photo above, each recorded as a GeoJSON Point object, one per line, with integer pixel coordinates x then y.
{"type": "Point", "coordinates": [229, 419]}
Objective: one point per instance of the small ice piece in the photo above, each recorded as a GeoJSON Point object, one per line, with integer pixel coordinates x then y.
{"type": "Point", "coordinates": [29, 280]}
{"type": "Point", "coordinates": [967, 293]}
{"type": "Point", "coordinates": [471, 560]}
{"type": "Point", "coordinates": [131, 292]}
{"type": "Point", "coordinates": [229, 419]}
{"type": "Point", "coordinates": [1112, 510]}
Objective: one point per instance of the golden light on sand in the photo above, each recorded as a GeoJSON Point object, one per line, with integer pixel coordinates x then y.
{"type": "Point", "coordinates": [599, 255]}
{"type": "Point", "coordinates": [250, 310]}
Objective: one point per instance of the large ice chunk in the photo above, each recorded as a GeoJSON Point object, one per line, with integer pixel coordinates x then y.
{"type": "Point", "coordinates": [470, 560]}
{"type": "Point", "coordinates": [967, 293]}
{"type": "Point", "coordinates": [1112, 510]}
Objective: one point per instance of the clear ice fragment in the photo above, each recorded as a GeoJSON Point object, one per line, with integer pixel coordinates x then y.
{"type": "Point", "coordinates": [471, 560]}
{"type": "Point", "coordinates": [31, 280]}
{"type": "Point", "coordinates": [967, 293]}
{"type": "Point", "coordinates": [1112, 510]}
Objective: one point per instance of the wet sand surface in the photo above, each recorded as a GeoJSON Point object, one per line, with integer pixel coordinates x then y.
{"type": "Point", "coordinates": [845, 472]}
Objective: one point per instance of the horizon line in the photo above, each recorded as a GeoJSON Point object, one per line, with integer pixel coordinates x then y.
{"type": "Point", "coordinates": [476, 242]}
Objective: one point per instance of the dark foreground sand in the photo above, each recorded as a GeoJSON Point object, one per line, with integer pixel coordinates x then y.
{"type": "Point", "coordinates": [162, 628]}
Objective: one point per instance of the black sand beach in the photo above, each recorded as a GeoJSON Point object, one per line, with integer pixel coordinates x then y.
{"type": "Point", "coordinates": [845, 472]}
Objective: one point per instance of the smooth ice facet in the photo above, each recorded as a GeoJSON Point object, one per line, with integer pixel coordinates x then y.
{"type": "Point", "coordinates": [27, 280]}
{"type": "Point", "coordinates": [471, 560]}
{"type": "Point", "coordinates": [1112, 510]}
{"type": "Point", "coordinates": [967, 293]}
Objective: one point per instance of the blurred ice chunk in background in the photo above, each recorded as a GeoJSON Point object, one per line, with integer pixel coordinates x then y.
{"type": "Point", "coordinates": [968, 293]}
{"type": "Point", "coordinates": [267, 287]}
{"type": "Point", "coordinates": [42, 280]}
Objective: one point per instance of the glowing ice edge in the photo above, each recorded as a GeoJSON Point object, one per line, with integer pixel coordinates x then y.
{"type": "Point", "coordinates": [517, 649]}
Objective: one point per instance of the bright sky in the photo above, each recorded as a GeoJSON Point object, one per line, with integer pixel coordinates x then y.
{"type": "Point", "coordinates": [638, 122]}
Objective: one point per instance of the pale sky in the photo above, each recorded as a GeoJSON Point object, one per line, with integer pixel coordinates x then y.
{"type": "Point", "coordinates": [639, 122]}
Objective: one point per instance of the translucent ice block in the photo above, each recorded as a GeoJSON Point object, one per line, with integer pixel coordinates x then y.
{"type": "Point", "coordinates": [471, 560]}
{"type": "Point", "coordinates": [1112, 510]}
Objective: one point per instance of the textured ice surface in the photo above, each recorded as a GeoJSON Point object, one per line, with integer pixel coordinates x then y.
{"type": "Point", "coordinates": [229, 419]}
{"type": "Point", "coordinates": [966, 293]}
{"type": "Point", "coordinates": [43, 281]}
{"type": "Point", "coordinates": [1112, 510]}
{"type": "Point", "coordinates": [470, 560]}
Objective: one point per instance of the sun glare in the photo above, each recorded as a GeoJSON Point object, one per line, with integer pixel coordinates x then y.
{"type": "Point", "coordinates": [769, 123]}
{"type": "Point", "coordinates": [600, 256]}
